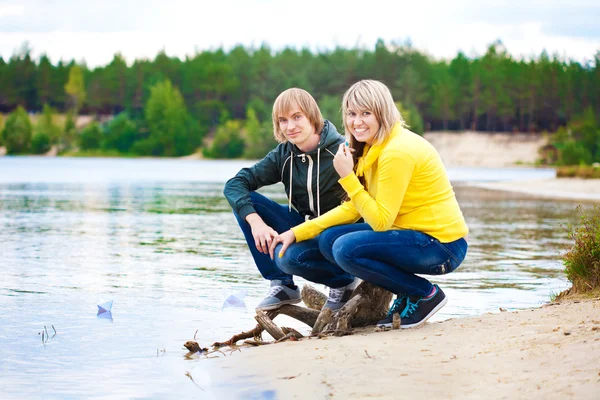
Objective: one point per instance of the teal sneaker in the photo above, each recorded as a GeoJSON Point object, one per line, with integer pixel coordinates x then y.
{"type": "Point", "coordinates": [414, 311]}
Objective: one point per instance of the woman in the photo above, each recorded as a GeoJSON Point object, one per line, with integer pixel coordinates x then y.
{"type": "Point", "coordinates": [399, 186]}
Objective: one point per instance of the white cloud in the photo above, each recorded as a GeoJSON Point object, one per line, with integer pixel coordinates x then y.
{"type": "Point", "coordinates": [94, 31]}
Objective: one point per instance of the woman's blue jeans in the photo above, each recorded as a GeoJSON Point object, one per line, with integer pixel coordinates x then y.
{"type": "Point", "coordinates": [303, 259]}
{"type": "Point", "coordinates": [391, 259]}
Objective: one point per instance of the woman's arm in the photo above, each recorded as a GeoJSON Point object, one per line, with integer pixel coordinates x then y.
{"type": "Point", "coordinates": [395, 168]}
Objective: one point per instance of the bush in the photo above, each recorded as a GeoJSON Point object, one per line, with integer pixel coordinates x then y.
{"type": "Point", "coordinates": [91, 137]}
{"type": "Point", "coordinates": [228, 141]}
{"type": "Point", "coordinates": [40, 143]}
{"type": "Point", "coordinates": [582, 171]}
{"type": "Point", "coordinates": [121, 134]}
{"type": "Point", "coordinates": [17, 132]}
{"type": "Point", "coordinates": [574, 153]}
{"type": "Point", "coordinates": [582, 260]}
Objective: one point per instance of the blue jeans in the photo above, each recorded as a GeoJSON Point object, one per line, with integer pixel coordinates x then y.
{"type": "Point", "coordinates": [302, 259]}
{"type": "Point", "coordinates": [391, 259]}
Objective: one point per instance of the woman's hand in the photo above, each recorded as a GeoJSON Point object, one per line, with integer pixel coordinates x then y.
{"type": "Point", "coordinates": [286, 238]}
{"type": "Point", "coordinates": [343, 162]}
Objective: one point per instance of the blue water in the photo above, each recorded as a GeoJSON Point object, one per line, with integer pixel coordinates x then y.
{"type": "Point", "coordinates": [158, 238]}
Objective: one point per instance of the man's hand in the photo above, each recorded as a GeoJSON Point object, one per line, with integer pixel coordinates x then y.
{"type": "Point", "coordinates": [262, 233]}
{"type": "Point", "coordinates": [343, 162]}
{"type": "Point", "coordinates": [286, 238]}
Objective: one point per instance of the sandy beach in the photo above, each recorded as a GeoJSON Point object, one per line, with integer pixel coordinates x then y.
{"type": "Point", "coordinates": [585, 190]}
{"type": "Point", "coordinates": [546, 353]}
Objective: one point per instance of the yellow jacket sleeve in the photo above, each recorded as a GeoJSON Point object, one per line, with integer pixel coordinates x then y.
{"type": "Point", "coordinates": [395, 169]}
{"type": "Point", "coordinates": [345, 213]}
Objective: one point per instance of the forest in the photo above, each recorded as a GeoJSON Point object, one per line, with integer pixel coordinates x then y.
{"type": "Point", "coordinates": [168, 106]}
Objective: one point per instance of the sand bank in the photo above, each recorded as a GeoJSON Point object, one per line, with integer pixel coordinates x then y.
{"type": "Point", "coordinates": [587, 190]}
{"type": "Point", "coordinates": [481, 149]}
{"type": "Point", "coordinates": [551, 352]}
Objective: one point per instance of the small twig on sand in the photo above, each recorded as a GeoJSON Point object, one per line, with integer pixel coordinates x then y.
{"type": "Point", "coordinates": [290, 377]}
{"type": "Point", "coordinates": [216, 350]}
{"type": "Point", "coordinates": [367, 354]}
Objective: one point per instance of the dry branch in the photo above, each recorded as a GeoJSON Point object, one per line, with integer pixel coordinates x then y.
{"type": "Point", "coordinates": [268, 325]}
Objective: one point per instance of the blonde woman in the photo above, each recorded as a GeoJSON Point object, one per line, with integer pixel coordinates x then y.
{"type": "Point", "coordinates": [396, 181]}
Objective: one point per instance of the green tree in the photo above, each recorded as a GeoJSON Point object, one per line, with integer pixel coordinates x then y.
{"type": "Point", "coordinates": [259, 136]}
{"type": "Point", "coordinates": [172, 132]}
{"type": "Point", "coordinates": [46, 124]}
{"type": "Point", "coordinates": [331, 108]}
{"type": "Point", "coordinates": [412, 118]}
{"type": "Point", "coordinates": [17, 132]}
{"type": "Point", "coordinates": [69, 133]}
{"type": "Point", "coordinates": [1, 129]}
{"type": "Point", "coordinates": [75, 88]}
{"type": "Point", "coordinates": [228, 141]}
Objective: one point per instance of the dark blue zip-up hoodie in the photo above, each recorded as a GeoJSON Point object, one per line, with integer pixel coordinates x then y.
{"type": "Point", "coordinates": [310, 180]}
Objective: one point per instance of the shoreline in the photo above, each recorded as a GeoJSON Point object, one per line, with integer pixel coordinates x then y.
{"type": "Point", "coordinates": [550, 352]}
{"type": "Point", "coordinates": [587, 190]}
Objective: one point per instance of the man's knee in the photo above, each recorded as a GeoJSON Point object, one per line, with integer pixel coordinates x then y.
{"type": "Point", "coordinates": [287, 263]}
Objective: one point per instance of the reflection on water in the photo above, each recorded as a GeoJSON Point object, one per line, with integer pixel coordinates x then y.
{"type": "Point", "coordinates": [168, 252]}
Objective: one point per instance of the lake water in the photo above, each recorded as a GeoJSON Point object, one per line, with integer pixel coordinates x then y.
{"type": "Point", "coordinates": [158, 238]}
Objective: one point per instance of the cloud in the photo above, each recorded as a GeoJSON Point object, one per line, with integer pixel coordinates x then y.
{"type": "Point", "coordinates": [95, 31]}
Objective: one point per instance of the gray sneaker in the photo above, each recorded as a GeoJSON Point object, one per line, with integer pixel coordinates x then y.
{"type": "Point", "coordinates": [340, 296]}
{"type": "Point", "coordinates": [279, 295]}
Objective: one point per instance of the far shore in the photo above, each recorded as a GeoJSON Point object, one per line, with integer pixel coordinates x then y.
{"type": "Point", "coordinates": [585, 190]}
{"type": "Point", "coordinates": [546, 353]}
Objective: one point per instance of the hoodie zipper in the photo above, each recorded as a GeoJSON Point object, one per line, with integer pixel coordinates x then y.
{"type": "Point", "coordinates": [309, 182]}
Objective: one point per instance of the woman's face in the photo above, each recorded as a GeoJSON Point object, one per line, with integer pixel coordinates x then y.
{"type": "Point", "coordinates": [363, 125]}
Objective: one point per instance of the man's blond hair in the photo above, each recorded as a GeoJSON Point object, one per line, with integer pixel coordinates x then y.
{"type": "Point", "coordinates": [373, 96]}
{"type": "Point", "coordinates": [304, 101]}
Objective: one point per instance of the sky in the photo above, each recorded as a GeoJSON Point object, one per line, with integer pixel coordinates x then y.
{"type": "Point", "coordinates": [95, 30]}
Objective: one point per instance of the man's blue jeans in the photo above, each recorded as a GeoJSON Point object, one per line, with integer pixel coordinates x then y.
{"type": "Point", "coordinates": [302, 259]}
{"type": "Point", "coordinates": [391, 259]}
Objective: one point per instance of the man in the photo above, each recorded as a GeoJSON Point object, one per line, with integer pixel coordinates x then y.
{"type": "Point", "coordinates": [303, 162]}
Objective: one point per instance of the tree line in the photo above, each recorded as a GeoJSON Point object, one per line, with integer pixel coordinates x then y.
{"type": "Point", "coordinates": [225, 92]}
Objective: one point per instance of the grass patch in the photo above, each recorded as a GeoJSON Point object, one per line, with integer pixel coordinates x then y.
{"type": "Point", "coordinates": [581, 171]}
{"type": "Point", "coordinates": [98, 153]}
{"type": "Point", "coordinates": [582, 259]}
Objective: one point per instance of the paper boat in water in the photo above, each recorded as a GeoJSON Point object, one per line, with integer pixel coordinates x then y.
{"type": "Point", "coordinates": [105, 307]}
{"type": "Point", "coordinates": [235, 300]}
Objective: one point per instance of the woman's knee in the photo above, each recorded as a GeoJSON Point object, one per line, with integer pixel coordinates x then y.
{"type": "Point", "coordinates": [343, 253]}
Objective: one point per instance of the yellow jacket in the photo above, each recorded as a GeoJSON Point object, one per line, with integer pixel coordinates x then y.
{"type": "Point", "coordinates": [406, 188]}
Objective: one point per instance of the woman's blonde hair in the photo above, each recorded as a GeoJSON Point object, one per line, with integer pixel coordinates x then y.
{"type": "Point", "coordinates": [305, 102]}
{"type": "Point", "coordinates": [373, 96]}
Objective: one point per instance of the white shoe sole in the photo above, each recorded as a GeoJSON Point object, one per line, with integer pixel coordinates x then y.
{"type": "Point", "coordinates": [277, 305]}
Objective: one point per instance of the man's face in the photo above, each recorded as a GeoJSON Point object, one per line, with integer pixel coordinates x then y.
{"type": "Point", "coordinates": [296, 126]}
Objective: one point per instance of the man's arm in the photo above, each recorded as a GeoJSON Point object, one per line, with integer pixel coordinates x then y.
{"type": "Point", "coordinates": [263, 173]}
{"type": "Point", "coordinates": [237, 191]}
